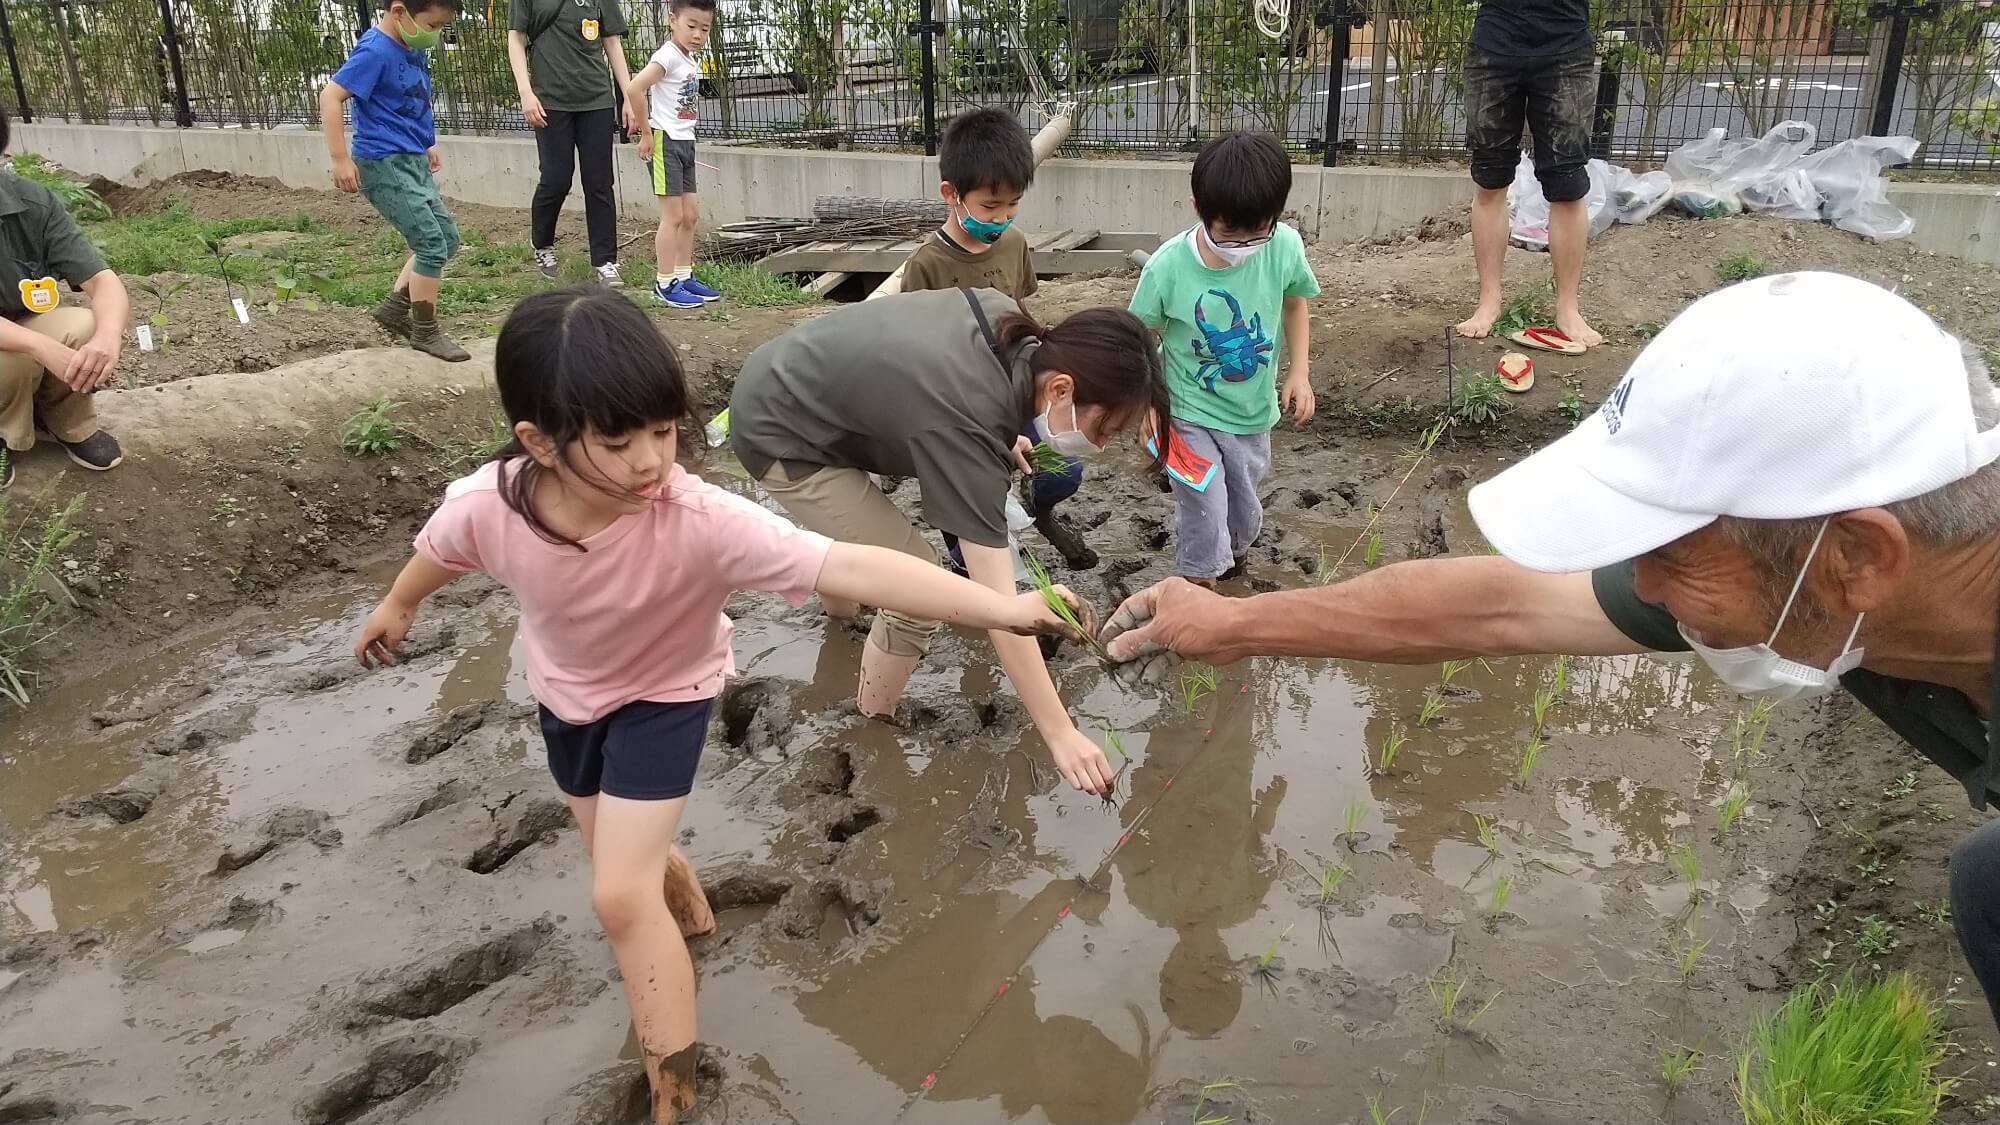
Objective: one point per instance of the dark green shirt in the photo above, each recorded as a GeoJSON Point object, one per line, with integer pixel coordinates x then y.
{"type": "Point", "coordinates": [1937, 720]}
{"type": "Point", "coordinates": [39, 241]}
{"type": "Point", "coordinates": [567, 67]}
{"type": "Point", "coordinates": [906, 386]}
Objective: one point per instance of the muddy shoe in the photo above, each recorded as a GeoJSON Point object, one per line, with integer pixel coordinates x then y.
{"type": "Point", "coordinates": [6, 466]}
{"type": "Point", "coordinates": [1063, 536]}
{"type": "Point", "coordinates": [546, 264]}
{"type": "Point", "coordinates": [428, 337]}
{"type": "Point", "coordinates": [99, 452]}
{"type": "Point", "coordinates": [393, 314]}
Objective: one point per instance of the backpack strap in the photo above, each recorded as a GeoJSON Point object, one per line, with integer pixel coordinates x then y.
{"type": "Point", "coordinates": [985, 326]}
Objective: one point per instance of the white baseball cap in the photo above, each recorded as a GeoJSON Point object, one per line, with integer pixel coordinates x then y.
{"type": "Point", "coordinates": [1787, 397]}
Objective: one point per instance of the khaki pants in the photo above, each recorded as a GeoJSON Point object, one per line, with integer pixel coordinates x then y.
{"type": "Point", "coordinates": [845, 505]}
{"type": "Point", "coordinates": [29, 394]}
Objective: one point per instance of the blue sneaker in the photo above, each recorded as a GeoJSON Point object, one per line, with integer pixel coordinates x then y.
{"type": "Point", "coordinates": [676, 296]}
{"type": "Point", "coordinates": [698, 289]}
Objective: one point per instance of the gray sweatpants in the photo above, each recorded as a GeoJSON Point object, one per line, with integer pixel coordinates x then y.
{"type": "Point", "coordinates": [1215, 527]}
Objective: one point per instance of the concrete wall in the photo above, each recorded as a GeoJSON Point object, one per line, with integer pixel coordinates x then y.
{"type": "Point", "coordinates": [1328, 205]}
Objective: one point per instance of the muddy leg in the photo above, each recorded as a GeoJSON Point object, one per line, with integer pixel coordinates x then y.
{"type": "Point", "coordinates": [685, 897]}
{"type": "Point", "coordinates": [634, 840]}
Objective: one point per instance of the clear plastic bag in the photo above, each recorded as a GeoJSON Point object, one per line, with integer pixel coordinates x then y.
{"type": "Point", "coordinates": [1849, 177]}
{"type": "Point", "coordinates": [1717, 176]}
{"type": "Point", "coordinates": [1528, 208]}
{"type": "Point", "coordinates": [1635, 198]}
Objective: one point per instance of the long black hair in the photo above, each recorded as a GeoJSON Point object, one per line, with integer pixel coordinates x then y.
{"type": "Point", "coordinates": [1107, 352]}
{"type": "Point", "coordinates": [573, 361]}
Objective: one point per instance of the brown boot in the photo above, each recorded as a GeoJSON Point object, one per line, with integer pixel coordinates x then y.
{"type": "Point", "coordinates": [427, 335]}
{"type": "Point", "coordinates": [393, 314]}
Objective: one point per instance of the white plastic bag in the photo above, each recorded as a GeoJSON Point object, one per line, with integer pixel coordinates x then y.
{"type": "Point", "coordinates": [1849, 177]}
{"type": "Point", "coordinates": [1528, 208]}
{"type": "Point", "coordinates": [1699, 172]}
{"type": "Point", "coordinates": [1716, 176]}
{"type": "Point", "coordinates": [1018, 521]}
{"type": "Point", "coordinates": [1635, 198]}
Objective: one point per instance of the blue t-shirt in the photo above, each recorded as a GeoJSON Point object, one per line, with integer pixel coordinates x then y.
{"type": "Point", "coordinates": [391, 85]}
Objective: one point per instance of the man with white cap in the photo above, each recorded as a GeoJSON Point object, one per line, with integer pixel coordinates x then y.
{"type": "Point", "coordinates": [1796, 481]}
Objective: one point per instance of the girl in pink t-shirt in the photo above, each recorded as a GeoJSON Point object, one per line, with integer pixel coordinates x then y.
{"type": "Point", "coordinates": [621, 562]}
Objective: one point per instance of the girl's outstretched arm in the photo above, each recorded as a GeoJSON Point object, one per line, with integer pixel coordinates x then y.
{"type": "Point", "coordinates": [382, 634]}
{"type": "Point", "coordinates": [890, 579]}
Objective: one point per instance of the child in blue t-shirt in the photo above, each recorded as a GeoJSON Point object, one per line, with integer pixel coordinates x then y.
{"type": "Point", "coordinates": [1228, 299]}
{"type": "Point", "coordinates": [388, 77]}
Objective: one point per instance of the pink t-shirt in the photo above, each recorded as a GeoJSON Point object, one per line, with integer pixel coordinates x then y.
{"type": "Point", "coordinates": [638, 615]}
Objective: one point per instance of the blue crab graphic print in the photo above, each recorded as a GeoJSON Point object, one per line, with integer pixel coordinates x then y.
{"type": "Point", "coordinates": [1235, 353]}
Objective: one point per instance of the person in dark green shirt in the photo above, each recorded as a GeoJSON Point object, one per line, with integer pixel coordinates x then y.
{"type": "Point", "coordinates": [53, 355]}
{"type": "Point", "coordinates": [565, 55]}
{"type": "Point", "coordinates": [1798, 481]}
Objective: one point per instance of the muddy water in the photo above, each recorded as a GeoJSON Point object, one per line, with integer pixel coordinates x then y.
{"type": "Point", "coordinates": [243, 882]}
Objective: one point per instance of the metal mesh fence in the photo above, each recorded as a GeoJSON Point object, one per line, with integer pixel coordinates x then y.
{"type": "Point", "coordinates": [1372, 80]}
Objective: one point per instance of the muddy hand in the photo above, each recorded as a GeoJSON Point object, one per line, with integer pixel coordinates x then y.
{"type": "Point", "coordinates": [382, 634]}
{"type": "Point", "coordinates": [1052, 622]}
{"type": "Point", "coordinates": [1136, 640]}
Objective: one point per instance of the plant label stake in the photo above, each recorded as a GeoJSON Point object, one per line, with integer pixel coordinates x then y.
{"type": "Point", "coordinates": [242, 311]}
{"type": "Point", "coordinates": [145, 332]}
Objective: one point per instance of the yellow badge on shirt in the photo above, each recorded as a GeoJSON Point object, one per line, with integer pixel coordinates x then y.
{"type": "Point", "coordinates": [590, 31]}
{"type": "Point", "coordinates": [39, 295]}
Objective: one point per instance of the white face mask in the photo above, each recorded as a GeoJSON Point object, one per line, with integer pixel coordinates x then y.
{"type": "Point", "coordinates": [1233, 255]}
{"type": "Point", "coordinates": [1760, 670]}
{"type": "Point", "coordinates": [1070, 442]}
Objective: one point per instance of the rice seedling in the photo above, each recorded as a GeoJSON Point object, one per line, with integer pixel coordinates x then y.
{"type": "Point", "coordinates": [1385, 759]}
{"type": "Point", "coordinates": [1432, 708]}
{"type": "Point", "coordinates": [1560, 685]}
{"type": "Point", "coordinates": [1208, 1090]}
{"type": "Point", "coordinates": [1545, 700]}
{"type": "Point", "coordinates": [1331, 876]}
{"type": "Point", "coordinates": [1375, 1114]}
{"type": "Point", "coordinates": [1687, 864]}
{"type": "Point", "coordinates": [1524, 766]}
{"type": "Point", "coordinates": [1747, 729]}
{"type": "Point", "coordinates": [1849, 1052]}
{"type": "Point", "coordinates": [1043, 458]}
{"type": "Point", "coordinates": [1116, 745]}
{"type": "Point", "coordinates": [1496, 906]}
{"type": "Point", "coordinates": [1372, 532]}
{"type": "Point", "coordinates": [1687, 953]}
{"type": "Point", "coordinates": [1196, 685]}
{"type": "Point", "coordinates": [1676, 1063]}
{"type": "Point", "coordinates": [1371, 548]}
{"type": "Point", "coordinates": [1047, 588]}
{"type": "Point", "coordinates": [1732, 808]}
{"type": "Point", "coordinates": [1351, 820]}
{"type": "Point", "coordinates": [1487, 838]}
{"type": "Point", "coordinates": [1265, 974]}
{"type": "Point", "coordinates": [1451, 669]}
{"type": "Point", "coordinates": [1448, 995]}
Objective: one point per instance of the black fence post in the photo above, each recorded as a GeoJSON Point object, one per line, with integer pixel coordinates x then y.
{"type": "Point", "coordinates": [1604, 122]}
{"type": "Point", "coordinates": [927, 29]}
{"type": "Point", "coordinates": [14, 65]}
{"type": "Point", "coordinates": [170, 37]}
{"type": "Point", "coordinates": [1341, 21]}
{"type": "Point", "coordinates": [364, 16]}
{"type": "Point", "coordinates": [1898, 13]}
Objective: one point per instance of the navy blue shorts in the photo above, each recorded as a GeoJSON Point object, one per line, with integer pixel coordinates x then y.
{"type": "Point", "coordinates": [641, 752]}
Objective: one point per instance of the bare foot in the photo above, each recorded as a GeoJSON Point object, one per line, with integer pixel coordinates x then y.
{"type": "Point", "coordinates": [1479, 325]}
{"type": "Point", "coordinates": [1576, 328]}
{"type": "Point", "coordinates": [685, 898]}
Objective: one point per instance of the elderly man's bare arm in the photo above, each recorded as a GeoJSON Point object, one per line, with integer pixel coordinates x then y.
{"type": "Point", "coordinates": [1416, 612]}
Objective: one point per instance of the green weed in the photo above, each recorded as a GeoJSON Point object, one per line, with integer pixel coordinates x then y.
{"type": "Point", "coordinates": [497, 436]}
{"type": "Point", "coordinates": [1876, 938]}
{"type": "Point", "coordinates": [1524, 766]}
{"type": "Point", "coordinates": [746, 286]}
{"type": "Point", "coordinates": [30, 559]}
{"type": "Point", "coordinates": [1732, 808]}
{"type": "Point", "coordinates": [1938, 914]}
{"type": "Point", "coordinates": [1535, 308]}
{"type": "Point", "coordinates": [1570, 406]}
{"type": "Point", "coordinates": [1902, 786]}
{"type": "Point", "coordinates": [1201, 1103]}
{"type": "Point", "coordinates": [82, 202]}
{"type": "Point", "coordinates": [1741, 266]}
{"type": "Point", "coordinates": [1479, 400]}
{"type": "Point", "coordinates": [374, 431]}
{"type": "Point", "coordinates": [1385, 759]}
{"type": "Point", "coordinates": [1847, 1053]}
{"type": "Point", "coordinates": [1647, 329]}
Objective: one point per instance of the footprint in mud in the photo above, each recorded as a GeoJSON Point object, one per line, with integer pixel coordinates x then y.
{"type": "Point", "coordinates": [830, 773]}
{"type": "Point", "coordinates": [440, 735]}
{"type": "Point", "coordinates": [426, 638]}
{"type": "Point", "coordinates": [516, 829]}
{"type": "Point", "coordinates": [618, 1095]}
{"type": "Point", "coordinates": [211, 728]}
{"type": "Point", "coordinates": [394, 1079]}
{"type": "Point", "coordinates": [275, 830]}
{"type": "Point", "coordinates": [447, 793]}
{"type": "Point", "coordinates": [830, 912]}
{"type": "Point", "coordinates": [1360, 1007]}
{"type": "Point", "coordinates": [450, 978]}
{"type": "Point", "coordinates": [32, 958]}
{"type": "Point", "coordinates": [127, 801]}
{"type": "Point", "coordinates": [20, 1107]}
{"type": "Point", "coordinates": [738, 885]}
{"type": "Point", "coordinates": [151, 707]}
{"type": "Point", "coordinates": [222, 927]}
{"type": "Point", "coordinates": [853, 821]}
{"type": "Point", "coordinates": [756, 715]}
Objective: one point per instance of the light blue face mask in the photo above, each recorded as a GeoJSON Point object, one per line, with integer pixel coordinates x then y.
{"type": "Point", "coordinates": [980, 229]}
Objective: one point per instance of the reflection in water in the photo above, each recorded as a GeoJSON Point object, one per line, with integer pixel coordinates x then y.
{"type": "Point", "coordinates": [1615, 819]}
{"type": "Point", "coordinates": [1199, 864]}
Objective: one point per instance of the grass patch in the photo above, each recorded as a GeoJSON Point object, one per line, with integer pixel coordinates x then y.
{"type": "Point", "coordinates": [374, 431]}
{"type": "Point", "coordinates": [1741, 266]}
{"type": "Point", "coordinates": [746, 286]}
{"type": "Point", "coordinates": [1846, 1054]}
{"type": "Point", "coordinates": [83, 203]}
{"type": "Point", "coordinates": [1535, 308]}
{"type": "Point", "coordinates": [1479, 400]}
{"type": "Point", "coordinates": [30, 553]}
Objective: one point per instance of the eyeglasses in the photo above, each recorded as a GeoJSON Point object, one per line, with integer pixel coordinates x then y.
{"type": "Point", "coordinates": [1238, 243]}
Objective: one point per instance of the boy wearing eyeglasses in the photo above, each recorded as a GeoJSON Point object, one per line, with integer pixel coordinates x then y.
{"type": "Point", "coordinates": [1228, 299]}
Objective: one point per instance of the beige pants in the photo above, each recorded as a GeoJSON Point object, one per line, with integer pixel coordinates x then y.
{"type": "Point", "coordinates": [845, 505]}
{"type": "Point", "coordinates": [29, 394]}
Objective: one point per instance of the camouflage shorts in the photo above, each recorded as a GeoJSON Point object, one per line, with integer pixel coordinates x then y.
{"type": "Point", "coordinates": [1554, 96]}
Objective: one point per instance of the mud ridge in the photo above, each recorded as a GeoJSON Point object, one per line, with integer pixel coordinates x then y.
{"type": "Point", "coordinates": [405, 1072]}
{"type": "Point", "coordinates": [151, 707]}
{"type": "Point", "coordinates": [452, 977]}
{"type": "Point", "coordinates": [275, 830]}
{"type": "Point", "coordinates": [211, 728]}
{"type": "Point", "coordinates": [124, 803]}
{"type": "Point", "coordinates": [425, 638]}
{"type": "Point", "coordinates": [533, 823]}
{"type": "Point", "coordinates": [442, 734]}
{"type": "Point", "coordinates": [448, 793]}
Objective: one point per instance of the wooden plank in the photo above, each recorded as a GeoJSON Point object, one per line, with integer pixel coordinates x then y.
{"type": "Point", "coordinates": [1102, 252]}
{"type": "Point", "coordinates": [826, 283]}
{"type": "Point", "coordinates": [1081, 261]}
{"type": "Point", "coordinates": [1071, 240]}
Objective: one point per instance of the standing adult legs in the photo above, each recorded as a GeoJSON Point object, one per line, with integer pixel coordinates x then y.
{"type": "Point", "coordinates": [555, 148]}
{"type": "Point", "coordinates": [596, 137]}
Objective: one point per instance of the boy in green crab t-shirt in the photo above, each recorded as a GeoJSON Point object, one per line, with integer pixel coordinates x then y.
{"type": "Point", "coordinates": [1228, 298]}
